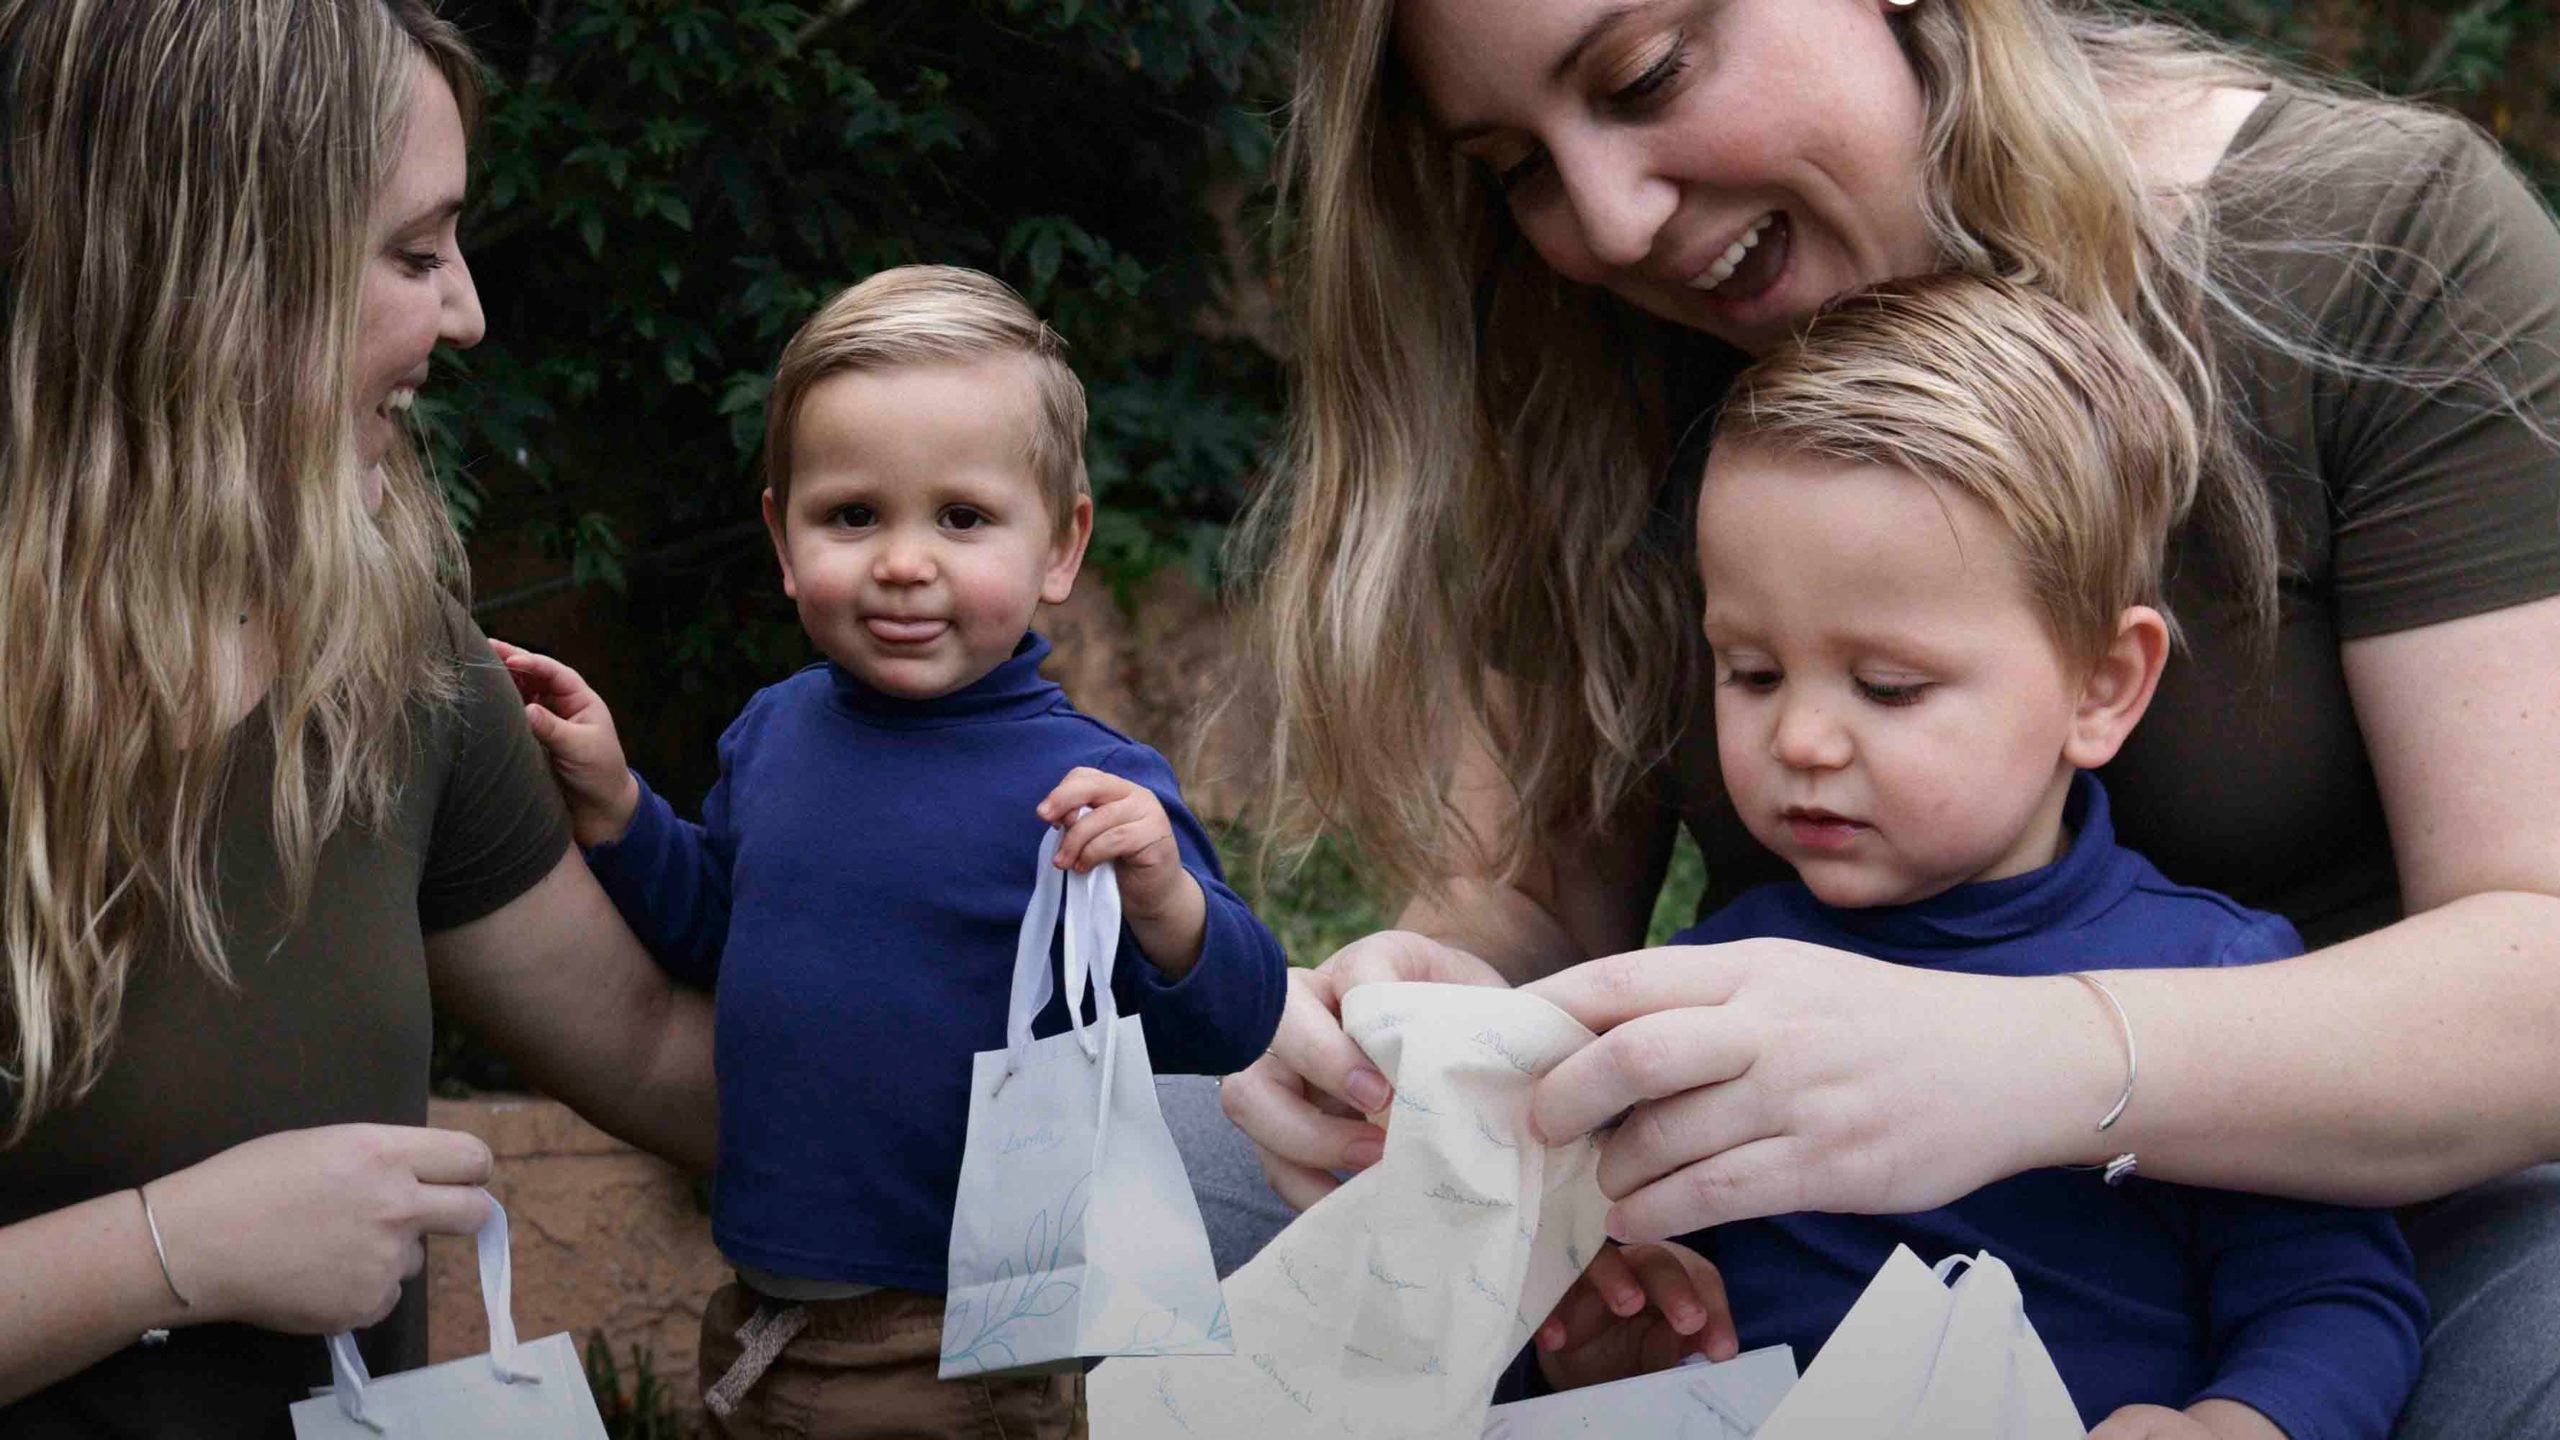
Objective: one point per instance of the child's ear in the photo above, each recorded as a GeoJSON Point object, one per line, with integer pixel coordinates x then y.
{"type": "Point", "coordinates": [2118, 688]}
{"type": "Point", "coordinates": [781, 552]}
{"type": "Point", "coordinates": [1066, 553]}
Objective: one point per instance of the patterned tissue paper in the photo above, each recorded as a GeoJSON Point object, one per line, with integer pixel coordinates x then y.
{"type": "Point", "coordinates": [1388, 1310]}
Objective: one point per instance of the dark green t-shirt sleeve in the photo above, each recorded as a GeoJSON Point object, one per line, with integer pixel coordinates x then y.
{"type": "Point", "coordinates": [2446, 476]}
{"type": "Point", "coordinates": [499, 823]}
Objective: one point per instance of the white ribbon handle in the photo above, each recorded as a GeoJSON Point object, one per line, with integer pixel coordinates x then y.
{"type": "Point", "coordinates": [1092, 905]}
{"type": "Point", "coordinates": [348, 1375]}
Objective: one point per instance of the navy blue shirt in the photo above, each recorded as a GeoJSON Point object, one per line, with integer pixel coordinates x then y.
{"type": "Point", "coordinates": [2144, 1293]}
{"type": "Point", "coordinates": [855, 889]}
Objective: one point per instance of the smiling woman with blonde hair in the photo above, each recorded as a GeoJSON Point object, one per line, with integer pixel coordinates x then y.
{"type": "Point", "coordinates": [1538, 236]}
{"type": "Point", "coordinates": [263, 786]}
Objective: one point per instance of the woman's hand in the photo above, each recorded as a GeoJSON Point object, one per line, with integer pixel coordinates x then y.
{"type": "Point", "coordinates": [1300, 1102]}
{"type": "Point", "coordinates": [1637, 1309]}
{"type": "Point", "coordinates": [1765, 1077]}
{"type": "Point", "coordinates": [576, 730]}
{"type": "Point", "coordinates": [311, 1231]}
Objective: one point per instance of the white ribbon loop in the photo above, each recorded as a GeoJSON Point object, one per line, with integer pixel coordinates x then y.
{"type": "Point", "coordinates": [348, 1375]}
{"type": "Point", "coordinates": [1091, 904]}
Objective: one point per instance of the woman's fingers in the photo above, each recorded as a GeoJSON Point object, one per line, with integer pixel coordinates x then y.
{"type": "Point", "coordinates": [1763, 1177]}
{"type": "Point", "coordinates": [1266, 1104]}
{"type": "Point", "coordinates": [1644, 1058]}
{"type": "Point", "coordinates": [1663, 1135]}
{"type": "Point", "coordinates": [440, 1157]}
{"type": "Point", "coordinates": [452, 1209]}
{"type": "Point", "coordinates": [1606, 993]}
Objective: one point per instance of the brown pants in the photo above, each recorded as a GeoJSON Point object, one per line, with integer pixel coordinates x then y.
{"type": "Point", "coordinates": [864, 1370]}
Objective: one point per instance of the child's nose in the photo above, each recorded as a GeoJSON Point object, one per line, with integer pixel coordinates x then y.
{"type": "Point", "coordinates": [1808, 738]}
{"type": "Point", "coordinates": [904, 561]}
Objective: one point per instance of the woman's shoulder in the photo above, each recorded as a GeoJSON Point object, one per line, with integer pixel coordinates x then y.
{"type": "Point", "coordinates": [2313, 165]}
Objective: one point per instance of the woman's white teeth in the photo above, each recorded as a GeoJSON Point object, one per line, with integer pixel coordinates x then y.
{"type": "Point", "coordinates": [1721, 271]}
{"type": "Point", "coordinates": [399, 400]}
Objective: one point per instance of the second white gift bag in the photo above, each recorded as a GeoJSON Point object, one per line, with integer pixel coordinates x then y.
{"type": "Point", "coordinates": [1075, 1233]}
{"type": "Point", "coordinates": [1917, 1358]}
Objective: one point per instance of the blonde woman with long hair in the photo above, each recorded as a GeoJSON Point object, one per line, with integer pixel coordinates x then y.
{"type": "Point", "coordinates": [264, 788]}
{"type": "Point", "coordinates": [1537, 237]}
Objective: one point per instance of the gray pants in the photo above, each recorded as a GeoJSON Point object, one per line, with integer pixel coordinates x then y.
{"type": "Point", "coordinates": [2489, 1259]}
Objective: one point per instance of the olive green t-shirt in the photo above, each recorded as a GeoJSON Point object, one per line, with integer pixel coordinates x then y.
{"type": "Point", "coordinates": [2396, 237]}
{"type": "Point", "coordinates": [328, 1024]}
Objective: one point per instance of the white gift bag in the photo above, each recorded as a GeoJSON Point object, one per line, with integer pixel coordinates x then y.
{"type": "Point", "coordinates": [1917, 1358]}
{"type": "Point", "coordinates": [533, 1390]}
{"type": "Point", "coordinates": [1694, 1400]}
{"type": "Point", "coordinates": [1075, 1232]}
{"type": "Point", "coordinates": [1389, 1309]}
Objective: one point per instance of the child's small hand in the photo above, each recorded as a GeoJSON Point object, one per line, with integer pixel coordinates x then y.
{"type": "Point", "coordinates": [1635, 1310]}
{"type": "Point", "coordinates": [2205, 1420]}
{"type": "Point", "coordinates": [576, 730]}
{"type": "Point", "coordinates": [1125, 822]}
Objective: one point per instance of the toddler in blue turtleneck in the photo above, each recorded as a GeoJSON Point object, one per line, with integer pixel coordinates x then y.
{"type": "Point", "coordinates": [855, 885]}
{"type": "Point", "coordinates": [1930, 540]}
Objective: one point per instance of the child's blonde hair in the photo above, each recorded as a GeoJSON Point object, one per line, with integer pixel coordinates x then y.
{"type": "Point", "coordinates": [2082, 444]}
{"type": "Point", "coordinates": [934, 315]}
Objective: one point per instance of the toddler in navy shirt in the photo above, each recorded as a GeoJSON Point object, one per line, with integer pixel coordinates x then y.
{"type": "Point", "coordinates": [853, 889]}
{"type": "Point", "coordinates": [1930, 538]}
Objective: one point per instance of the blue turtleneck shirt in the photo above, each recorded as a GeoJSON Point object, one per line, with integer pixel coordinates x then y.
{"type": "Point", "coordinates": [2143, 1293]}
{"type": "Point", "coordinates": [854, 890]}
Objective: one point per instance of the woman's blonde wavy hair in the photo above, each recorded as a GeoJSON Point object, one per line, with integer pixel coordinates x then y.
{"type": "Point", "coordinates": [1473, 528]}
{"type": "Point", "coordinates": [184, 225]}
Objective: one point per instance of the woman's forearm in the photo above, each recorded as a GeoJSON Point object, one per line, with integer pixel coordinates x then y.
{"type": "Point", "coordinates": [2396, 1067]}
{"type": "Point", "coordinates": [77, 1285]}
{"type": "Point", "coordinates": [1497, 924]}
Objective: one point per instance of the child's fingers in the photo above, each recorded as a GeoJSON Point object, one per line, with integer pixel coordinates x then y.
{"type": "Point", "coordinates": [1615, 1280]}
{"type": "Point", "coordinates": [1134, 843]}
{"type": "Point", "coordinates": [1093, 825]}
{"type": "Point", "coordinates": [541, 679]}
{"type": "Point", "coordinates": [1082, 786]}
{"type": "Point", "coordinates": [1689, 1291]}
{"type": "Point", "coordinates": [1579, 1318]}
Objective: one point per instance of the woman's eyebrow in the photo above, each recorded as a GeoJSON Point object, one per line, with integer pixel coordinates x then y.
{"type": "Point", "coordinates": [1601, 24]}
{"type": "Point", "coordinates": [435, 214]}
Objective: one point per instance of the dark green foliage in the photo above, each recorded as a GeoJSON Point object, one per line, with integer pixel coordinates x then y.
{"type": "Point", "coordinates": [649, 1409]}
{"type": "Point", "coordinates": [666, 188]}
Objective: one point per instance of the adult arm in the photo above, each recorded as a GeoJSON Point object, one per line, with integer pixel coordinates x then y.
{"type": "Point", "coordinates": [306, 1231]}
{"type": "Point", "coordinates": [559, 985]}
{"type": "Point", "coordinates": [1771, 1077]}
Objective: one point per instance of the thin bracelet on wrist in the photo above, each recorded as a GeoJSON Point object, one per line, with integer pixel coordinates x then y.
{"type": "Point", "coordinates": [157, 1248]}
{"type": "Point", "coordinates": [2118, 1169]}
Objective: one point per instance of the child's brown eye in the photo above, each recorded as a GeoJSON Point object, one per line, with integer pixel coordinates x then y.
{"type": "Point", "coordinates": [857, 516]}
{"type": "Point", "coordinates": [1903, 694]}
{"type": "Point", "coordinates": [961, 517]}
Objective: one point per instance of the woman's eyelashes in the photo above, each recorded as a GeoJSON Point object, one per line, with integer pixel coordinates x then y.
{"type": "Point", "coordinates": [1639, 95]}
{"type": "Point", "coordinates": [1651, 83]}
